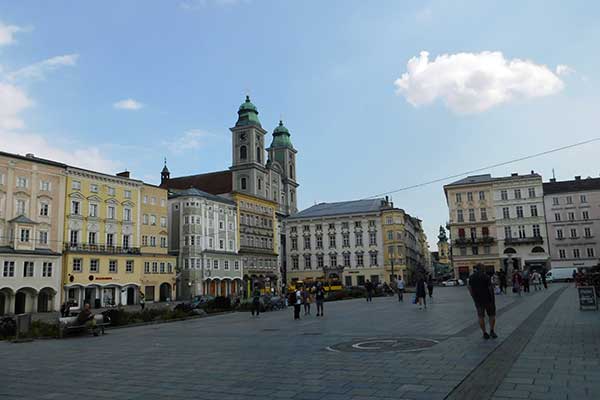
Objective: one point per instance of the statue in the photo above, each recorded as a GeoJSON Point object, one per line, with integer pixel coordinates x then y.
{"type": "Point", "coordinates": [442, 236]}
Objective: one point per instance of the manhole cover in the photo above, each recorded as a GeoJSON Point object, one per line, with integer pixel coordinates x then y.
{"type": "Point", "coordinates": [383, 345]}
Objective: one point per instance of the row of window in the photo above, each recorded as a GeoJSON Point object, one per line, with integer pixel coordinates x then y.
{"type": "Point", "coordinates": [461, 218]}
{"type": "Point", "coordinates": [255, 220]}
{"type": "Point", "coordinates": [197, 220]}
{"type": "Point", "coordinates": [23, 183]}
{"type": "Point", "coordinates": [74, 239]}
{"type": "Point", "coordinates": [25, 236]}
{"type": "Point", "coordinates": [111, 191]}
{"type": "Point", "coordinates": [475, 250]}
{"type": "Point", "coordinates": [573, 233]}
{"type": "Point", "coordinates": [332, 225]}
{"type": "Point", "coordinates": [208, 209]}
{"type": "Point", "coordinates": [196, 240]}
{"type": "Point", "coordinates": [150, 241]}
{"type": "Point", "coordinates": [29, 269]}
{"type": "Point", "coordinates": [111, 211]}
{"type": "Point", "coordinates": [358, 240]}
{"type": "Point", "coordinates": [517, 194]}
{"type": "Point", "coordinates": [257, 242]}
{"type": "Point", "coordinates": [459, 196]}
{"type": "Point", "coordinates": [519, 212]}
{"type": "Point", "coordinates": [333, 260]}
{"type": "Point", "coordinates": [521, 231]}
{"type": "Point", "coordinates": [244, 205]}
{"type": "Point", "coordinates": [562, 253]}
{"type": "Point", "coordinates": [150, 219]}
{"type": "Point", "coordinates": [113, 266]}
{"type": "Point", "coordinates": [585, 215]}
{"type": "Point", "coordinates": [569, 200]}
{"type": "Point", "coordinates": [163, 202]}
{"type": "Point", "coordinates": [198, 263]}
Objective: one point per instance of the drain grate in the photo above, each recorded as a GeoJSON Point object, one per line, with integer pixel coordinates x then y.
{"type": "Point", "coordinates": [383, 345]}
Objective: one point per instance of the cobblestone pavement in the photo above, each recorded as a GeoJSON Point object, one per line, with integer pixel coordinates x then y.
{"type": "Point", "coordinates": [236, 356]}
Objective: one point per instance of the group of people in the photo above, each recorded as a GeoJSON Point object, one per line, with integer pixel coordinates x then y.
{"type": "Point", "coordinates": [301, 297]}
{"type": "Point", "coordinates": [521, 281]}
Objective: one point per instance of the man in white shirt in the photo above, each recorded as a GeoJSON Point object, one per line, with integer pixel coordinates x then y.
{"type": "Point", "coordinates": [400, 288]}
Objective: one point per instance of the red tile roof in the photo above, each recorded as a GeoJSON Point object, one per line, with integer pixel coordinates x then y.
{"type": "Point", "coordinates": [213, 182]}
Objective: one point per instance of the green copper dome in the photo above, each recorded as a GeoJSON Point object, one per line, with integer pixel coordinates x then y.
{"type": "Point", "coordinates": [247, 114]}
{"type": "Point", "coordinates": [281, 137]}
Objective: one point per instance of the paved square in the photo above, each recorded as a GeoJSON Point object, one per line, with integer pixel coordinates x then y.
{"type": "Point", "coordinates": [235, 356]}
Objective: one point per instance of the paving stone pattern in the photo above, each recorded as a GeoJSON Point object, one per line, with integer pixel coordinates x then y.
{"type": "Point", "coordinates": [236, 356]}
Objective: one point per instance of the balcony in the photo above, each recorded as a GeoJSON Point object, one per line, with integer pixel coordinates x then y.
{"type": "Point", "coordinates": [462, 241]}
{"type": "Point", "coordinates": [97, 248]}
{"type": "Point", "coordinates": [526, 240]}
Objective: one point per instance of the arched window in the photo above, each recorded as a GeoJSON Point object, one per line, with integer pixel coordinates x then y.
{"type": "Point", "coordinates": [243, 153]}
{"type": "Point", "coordinates": [243, 183]}
{"type": "Point", "coordinates": [259, 184]}
{"type": "Point", "coordinates": [291, 171]}
{"type": "Point", "coordinates": [258, 157]}
{"type": "Point", "coordinates": [538, 249]}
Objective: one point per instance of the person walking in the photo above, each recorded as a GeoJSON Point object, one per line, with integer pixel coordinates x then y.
{"type": "Point", "coordinates": [369, 287]}
{"type": "Point", "coordinates": [306, 300]}
{"type": "Point", "coordinates": [256, 301]}
{"type": "Point", "coordinates": [430, 286]}
{"type": "Point", "coordinates": [480, 288]}
{"type": "Point", "coordinates": [544, 281]}
{"type": "Point", "coordinates": [535, 279]}
{"type": "Point", "coordinates": [517, 281]}
{"type": "Point", "coordinates": [526, 280]}
{"type": "Point", "coordinates": [320, 297]}
{"type": "Point", "coordinates": [503, 283]}
{"type": "Point", "coordinates": [297, 303]}
{"type": "Point", "coordinates": [421, 300]}
{"type": "Point", "coordinates": [400, 288]}
{"type": "Point", "coordinates": [142, 301]}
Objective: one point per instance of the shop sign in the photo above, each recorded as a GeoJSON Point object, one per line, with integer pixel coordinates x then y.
{"type": "Point", "coordinates": [104, 278]}
{"type": "Point", "coordinates": [587, 298]}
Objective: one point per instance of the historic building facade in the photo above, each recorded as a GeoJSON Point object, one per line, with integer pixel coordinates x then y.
{"type": "Point", "coordinates": [573, 218]}
{"type": "Point", "coordinates": [105, 218]}
{"type": "Point", "coordinates": [32, 201]}
{"type": "Point", "coordinates": [204, 236]}
{"type": "Point", "coordinates": [265, 181]}
{"type": "Point", "coordinates": [520, 222]}
{"type": "Point", "coordinates": [345, 241]}
{"type": "Point", "coordinates": [471, 224]}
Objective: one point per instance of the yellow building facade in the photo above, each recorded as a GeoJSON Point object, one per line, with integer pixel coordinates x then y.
{"type": "Point", "coordinates": [104, 260]}
{"type": "Point", "coordinates": [392, 222]}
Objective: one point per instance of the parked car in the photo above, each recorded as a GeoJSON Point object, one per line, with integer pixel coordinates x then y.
{"type": "Point", "coordinates": [453, 282]}
{"type": "Point", "coordinates": [560, 274]}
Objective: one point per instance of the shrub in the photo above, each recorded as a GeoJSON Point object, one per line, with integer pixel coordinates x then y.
{"type": "Point", "coordinates": [43, 329]}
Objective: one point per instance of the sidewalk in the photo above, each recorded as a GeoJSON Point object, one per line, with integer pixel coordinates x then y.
{"type": "Point", "coordinates": [562, 360]}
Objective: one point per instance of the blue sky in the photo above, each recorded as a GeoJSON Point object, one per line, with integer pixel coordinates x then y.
{"type": "Point", "coordinates": [333, 69]}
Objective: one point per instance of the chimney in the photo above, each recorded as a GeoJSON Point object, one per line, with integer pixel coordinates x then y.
{"type": "Point", "coordinates": [514, 174]}
{"type": "Point", "coordinates": [124, 174]}
{"type": "Point", "coordinates": [532, 172]}
{"type": "Point", "coordinates": [578, 178]}
{"type": "Point", "coordinates": [552, 179]}
{"type": "Point", "coordinates": [29, 155]}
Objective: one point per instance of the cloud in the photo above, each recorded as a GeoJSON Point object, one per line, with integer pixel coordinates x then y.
{"type": "Point", "coordinates": [39, 69]}
{"type": "Point", "coordinates": [7, 33]}
{"type": "Point", "coordinates": [13, 101]}
{"type": "Point", "coordinates": [474, 82]}
{"type": "Point", "coordinates": [564, 70]}
{"type": "Point", "coordinates": [128, 104]}
{"type": "Point", "coordinates": [190, 140]}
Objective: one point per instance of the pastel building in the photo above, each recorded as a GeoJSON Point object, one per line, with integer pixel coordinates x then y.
{"type": "Point", "coordinates": [32, 200]}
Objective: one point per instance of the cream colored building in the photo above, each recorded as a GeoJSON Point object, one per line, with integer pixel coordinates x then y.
{"type": "Point", "coordinates": [472, 224]}
{"type": "Point", "coordinates": [32, 199]}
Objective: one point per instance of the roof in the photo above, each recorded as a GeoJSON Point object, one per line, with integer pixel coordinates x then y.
{"type": "Point", "coordinates": [193, 192]}
{"type": "Point", "coordinates": [33, 159]}
{"type": "Point", "coordinates": [281, 137]}
{"type": "Point", "coordinates": [487, 178]}
{"type": "Point", "coordinates": [577, 185]}
{"type": "Point", "coordinates": [247, 114]}
{"type": "Point", "coordinates": [21, 219]}
{"type": "Point", "coordinates": [343, 207]}
{"type": "Point", "coordinates": [219, 182]}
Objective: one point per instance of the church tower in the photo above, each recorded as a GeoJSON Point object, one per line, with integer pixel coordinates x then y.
{"type": "Point", "coordinates": [165, 175]}
{"type": "Point", "coordinates": [443, 247]}
{"type": "Point", "coordinates": [283, 153]}
{"type": "Point", "coordinates": [248, 145]}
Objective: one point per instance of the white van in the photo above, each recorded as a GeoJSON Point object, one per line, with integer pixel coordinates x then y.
{"type": "Point", "coordinates": [560, 274]}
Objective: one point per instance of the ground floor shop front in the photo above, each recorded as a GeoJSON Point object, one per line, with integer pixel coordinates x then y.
{"type": "Point", "coordinates": [464, 268]}
{"type": "Point", "coordinates": [29, 282]}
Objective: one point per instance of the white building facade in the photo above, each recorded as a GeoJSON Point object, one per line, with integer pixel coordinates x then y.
{"type": "Point", "coordinates": [520, 222]}
{"type": "Point", "coordinates": [573, 220]}
{"type": "Point", "coordinates": [203, 234]}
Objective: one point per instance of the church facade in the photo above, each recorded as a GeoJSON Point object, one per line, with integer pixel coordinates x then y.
{"type": "Point", "coordinates": [262, 182]}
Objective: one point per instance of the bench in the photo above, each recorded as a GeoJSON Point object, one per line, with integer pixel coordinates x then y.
{"type": "Point", "coordinates": [69, 324]}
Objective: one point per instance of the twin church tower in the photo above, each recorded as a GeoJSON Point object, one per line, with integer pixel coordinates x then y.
{"type": "Point", "coordinates": [273, 178]}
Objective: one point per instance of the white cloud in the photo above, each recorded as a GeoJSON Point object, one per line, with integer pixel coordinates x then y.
{"type": "Point", "coordinates": [474, 82]}
{"type": "Point", "coordinates": [7, 33]}
{"type": "Point", "coordinates": [13, 101]}
{"type": "Point", "coordinates": [190, 140]}
{"type": "Point", "coordinates": [564, 70]}
{"type": "Point", "coordinates": [39, 69]}
{"type": "Point", "coordinates": [128, 104]}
